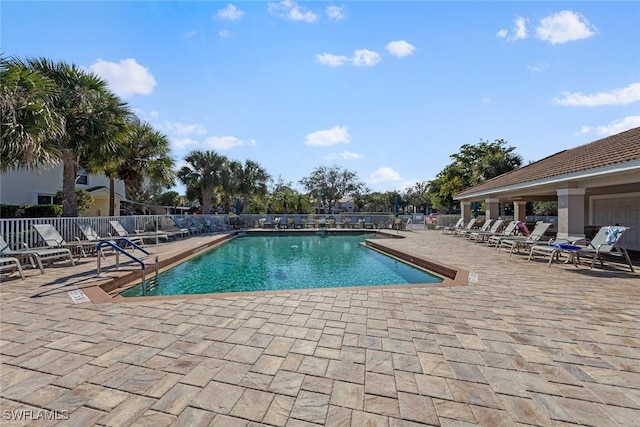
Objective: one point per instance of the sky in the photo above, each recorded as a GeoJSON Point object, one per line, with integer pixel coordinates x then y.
{"type": "Point", "coordinates": [387, 89]}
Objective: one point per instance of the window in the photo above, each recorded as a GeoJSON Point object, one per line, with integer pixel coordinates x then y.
{"type": "Point", "coordinates": [45, 199]}
{"type": "Point", "coordinates": [82, 178]}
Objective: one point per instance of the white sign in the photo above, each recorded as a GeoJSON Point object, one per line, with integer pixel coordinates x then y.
{"type": "Point", "coordinates": [473, 277]}
{"type": "Point", "coordinates": [78, 297]}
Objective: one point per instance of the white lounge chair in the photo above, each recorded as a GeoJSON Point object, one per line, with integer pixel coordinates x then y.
{"type": "Point", "coordinates": [515, 243]}
{"type": "Point", "coordinates": [11, 264]}
{"type": "Point", "coordinates": [480, 235]}
{"type": "Point", "coordinates": [53, 239]}
{"type": "Point", "coordinates": [36, 255]}
{"type": "Point", "coordinates": [138, 237]}
{"type": "Point", "coordinates": [604, 243]}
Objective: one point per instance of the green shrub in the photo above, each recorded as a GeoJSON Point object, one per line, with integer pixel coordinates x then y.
{"type": "Point", "coordinates": [9, 211]}
{"type": "Point", "coordinates": [42, 211]}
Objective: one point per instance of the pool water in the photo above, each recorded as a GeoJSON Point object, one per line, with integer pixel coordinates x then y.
{"type": "Point", "coordinates": [278, 262]}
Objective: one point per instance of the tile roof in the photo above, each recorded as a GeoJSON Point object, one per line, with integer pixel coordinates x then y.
{"type": "Point", "coordinates": [615, 149]}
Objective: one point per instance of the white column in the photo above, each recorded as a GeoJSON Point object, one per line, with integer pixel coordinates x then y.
{"type": "Point", "coordinates": [520, 211]}
{"type": "Point", "coordinates": [570, 212]}
{"type": "Point", "coordinates": [465, 208]}
{"type": "Point", "coordinates": [492, 208]}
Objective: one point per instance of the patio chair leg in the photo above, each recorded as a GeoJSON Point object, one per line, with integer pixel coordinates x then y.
{"type": "Point", "coordinates": [626, 255]}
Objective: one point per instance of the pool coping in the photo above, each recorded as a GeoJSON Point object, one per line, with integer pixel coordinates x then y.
{"type": "Point", "coordinates": [102, 291]}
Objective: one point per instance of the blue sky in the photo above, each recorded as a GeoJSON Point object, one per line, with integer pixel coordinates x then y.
{"type": "Point", "coordinates": [386, 89]}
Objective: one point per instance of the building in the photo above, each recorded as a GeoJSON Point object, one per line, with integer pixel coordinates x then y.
{"type": "Point", "coordinates": [33, 187]}
{"type": "Point", "coordinates": [594, 184]}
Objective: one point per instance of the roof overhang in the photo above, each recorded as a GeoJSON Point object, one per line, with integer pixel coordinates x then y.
{"type": "Point", "coordinates": [617, 174]}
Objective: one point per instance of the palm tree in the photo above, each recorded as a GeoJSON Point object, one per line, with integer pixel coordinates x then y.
{"type": "Point", "coordinates": [28, 120]}
{"type": "Point", "coordinates": [93, 117]}
{"type": "Point", "coordinates": [146, 156]}
{"type": "Point", "coordinates": [203, 171]}
{"type": "Point", "coordinates": [251, 180]}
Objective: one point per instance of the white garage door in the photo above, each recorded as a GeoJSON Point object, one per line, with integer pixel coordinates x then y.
{"type": "Point", "coordinates": [624, 211]}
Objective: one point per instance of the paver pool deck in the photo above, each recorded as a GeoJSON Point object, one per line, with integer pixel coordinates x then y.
{"type": "Point", "coordinates": [525, 345]}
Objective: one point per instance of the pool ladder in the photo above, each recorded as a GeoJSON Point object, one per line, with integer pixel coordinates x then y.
{"type": "Point", "coordinates": [115, 245]}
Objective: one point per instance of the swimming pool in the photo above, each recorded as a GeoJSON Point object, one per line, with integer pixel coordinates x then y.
{"type": "Point", "coordinates": [279, 262]}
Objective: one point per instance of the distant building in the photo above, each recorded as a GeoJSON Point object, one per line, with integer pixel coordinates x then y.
{"type": "Point", "coordinates": [33, 187]}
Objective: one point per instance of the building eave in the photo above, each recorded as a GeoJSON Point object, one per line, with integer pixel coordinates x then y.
{"type": "Point", "coordinates": [617, 168]}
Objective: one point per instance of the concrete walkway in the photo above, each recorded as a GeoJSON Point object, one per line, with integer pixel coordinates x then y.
{"type": "Point", "coordinates": [525, 345]}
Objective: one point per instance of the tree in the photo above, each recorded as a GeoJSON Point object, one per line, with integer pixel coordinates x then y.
{"type": "Point", "coordinates": [145, 156]}
{"type": "Point", "coordinates": [329, 184]}
{"type": "Point", "coordinates": [250, 180]}
{"type": "Point", "coordinates": [203, 172]}
{"type": "Point", "coordinates": [84, 200]}
{"type": "Point", "coordinates": [472, 165]}
{"type": "Point", "coordinates": [418, 196]}
{"type": "Point", "coordinates": [28, 119]}
{"type": "Point", "coordinates": [92, 116]}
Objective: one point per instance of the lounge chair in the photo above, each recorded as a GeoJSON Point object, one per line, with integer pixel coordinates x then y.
{"type": "Point", "coordinates": [480, 235]}
{"type": "Point", "coordinates": [555, 247]}
{"type": "Point", "coordinates": [508, 231]}
{"type": "Point", "coordinates": [367, 222]}
{"type": "Point", "coordinates": [12, 264]}
{"type": "Point", "coordinates": [515, 243]}
{"type": "Point", "coordinates": [455, 230]}
{"type": "Point", "coordinates": [297, 221]}
{"type": "Point", "coordinates": [53, 239]}
{"type": "Point", "coordinates": [446, 228]}
{"type": "Point", "coordinates": [172, 229]}
{"type": "Point", "coordinates": [36, 255]}
{"type": "Point", "coordinates": [605, 242]}
{"type": "Point", "coordinates": [185, 225]}
{"type": "Point", "coordinates": [465, 232]}
{"type": "Point", "coordinates": [268, 222]}
{"type": "Point", "coordinates": [138, 237]}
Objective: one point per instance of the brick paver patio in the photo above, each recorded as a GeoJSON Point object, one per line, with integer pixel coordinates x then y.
{"type": "Point", "coordinates": [525, 345]}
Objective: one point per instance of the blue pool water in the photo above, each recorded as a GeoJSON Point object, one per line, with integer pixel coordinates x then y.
{"type": "Point", "coordinates": [277, 262]}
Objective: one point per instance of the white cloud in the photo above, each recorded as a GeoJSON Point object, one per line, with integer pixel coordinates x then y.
{"type": "Point", "coordinates": [400, 48]}
{"type": "Point", "coordinates": [332, 60]}
{"type": "Point", "coordinates": [325, 138]}
{"type": "Point", "coordinates": [564, 26]}
{"type": "Point", "coordinates": [229, 13]}
{"type": "Point", "coordinates": [345, 155]}
{"type": "Point", "coordinates": [335, 13]}
{"type": "Point", "coordinates": [190, 34]}
{"type": "Point", "coordinates": [289, 9]}
{"type": "Point", "coordinates": [518, 32]}
{"type": "Point", "coordinates": [154, 114]}
{"type": "Point", "coordinates": [126, 77]}
{"type": "Point", "coordinates": [182, 143]}
{"type": "Point", "coordinates": [224, 33]}
{"type": "Point", "coordinates": [537, 66]}
{"type": "Point", "coordinates": [360, 58]}
{"type": "Point", "coordinates": [623, 96]}
{"type": "Point", "coordinates": [226, 142]}
{"type": "Point", "coordinates": [612, 128]}
{"type": "Point", "coordinates": [485, 100]}
{"type": "Point", "coordinates": [384, 174]}
{"type": "Point", "coordinates": [183, 129]}
{"type": "Point", "coordinates": [365, 58]}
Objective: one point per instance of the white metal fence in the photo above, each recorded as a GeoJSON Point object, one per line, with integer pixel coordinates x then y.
{"type": "Point", "coordinates": [16, 231]}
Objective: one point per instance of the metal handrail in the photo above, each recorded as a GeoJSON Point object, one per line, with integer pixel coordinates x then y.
{"type": "Point", "coordinates": [114, 245]}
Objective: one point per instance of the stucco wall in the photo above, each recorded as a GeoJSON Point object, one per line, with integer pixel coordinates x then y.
{"type": "Point", "coordinates": [23, 186]}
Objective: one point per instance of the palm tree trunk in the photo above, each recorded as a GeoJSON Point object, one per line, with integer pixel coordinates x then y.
{"type": "Point", "coordinates": [206, 200]}
{"type": "Point", "coordinates": [69, 174]}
